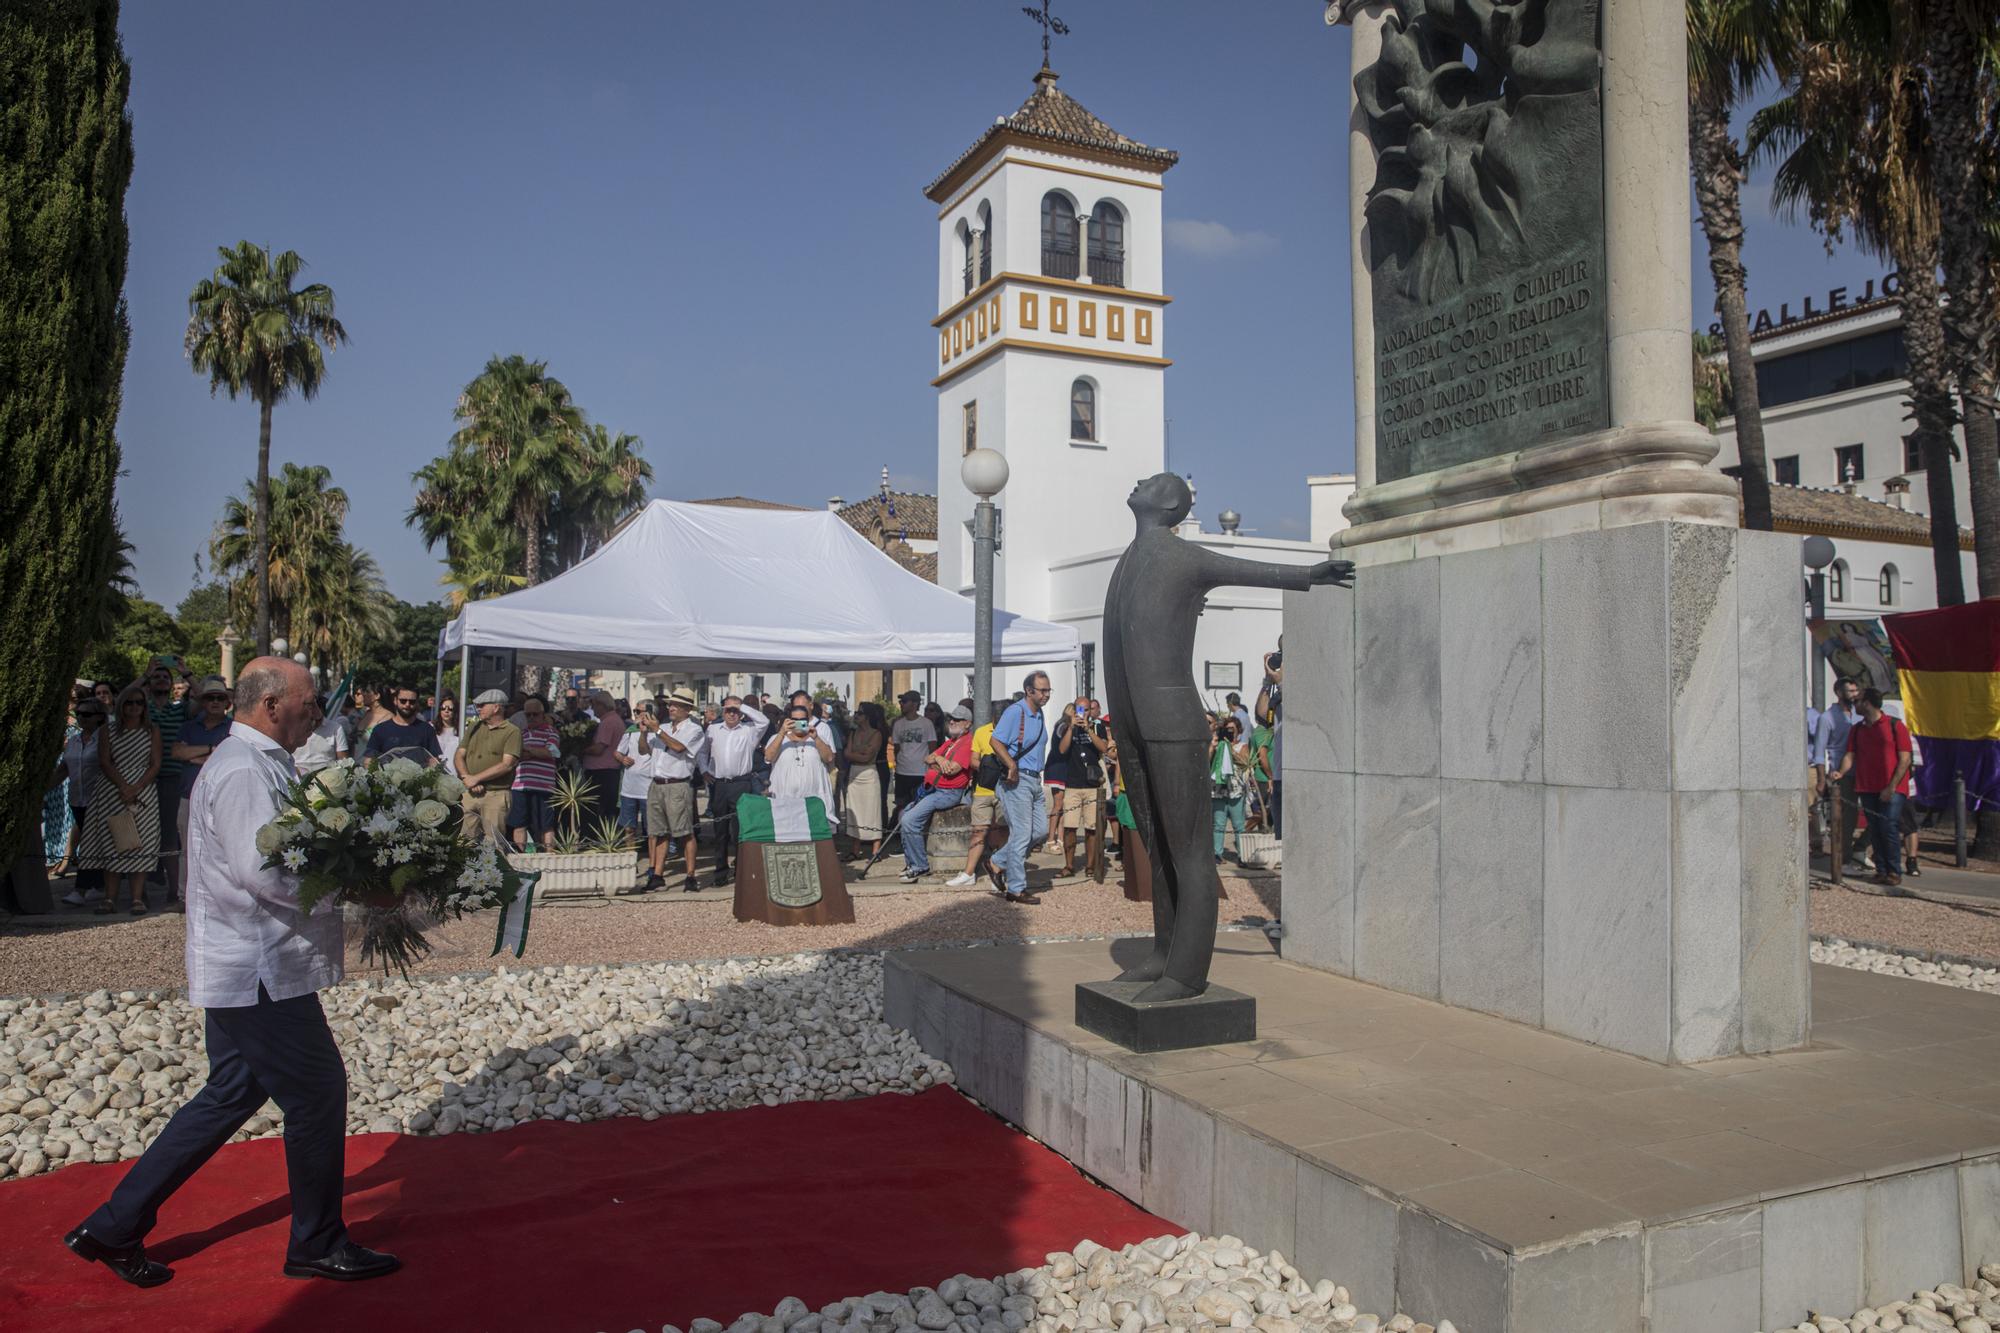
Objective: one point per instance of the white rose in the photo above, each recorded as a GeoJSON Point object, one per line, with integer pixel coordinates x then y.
{"type": "Point", "coordinates": [402, 771]}
{"type": "Point", "coordinates": [332, 779]}
{"type": "Point", "coordinates": [269, 839]}
{"type": "Point", "coordinates": [430, 814]}
{"type": "Point", "coordinates": [335, 820]}
{"type": "Point", "coordinates": [449, 787]}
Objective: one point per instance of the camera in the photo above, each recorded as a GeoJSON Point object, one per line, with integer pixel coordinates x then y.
{"type": "Point", "coordinates": [1275, 661]}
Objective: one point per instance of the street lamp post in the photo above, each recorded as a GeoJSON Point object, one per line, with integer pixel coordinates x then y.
{"type": "Point", "coordinates": [984, 473]}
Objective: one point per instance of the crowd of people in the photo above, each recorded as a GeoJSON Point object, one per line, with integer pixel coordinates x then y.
{"type": "Point", "coordinates": [663, 775]}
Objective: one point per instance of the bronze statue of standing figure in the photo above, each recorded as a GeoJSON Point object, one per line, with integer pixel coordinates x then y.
{"type": "Point", "coordinates": [1162, 730]}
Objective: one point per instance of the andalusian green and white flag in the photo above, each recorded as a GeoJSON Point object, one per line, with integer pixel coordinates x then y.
{"type": "Point", "coordinates": [512, 932]}
{"type": "Point", "coordinates": [781, 819]}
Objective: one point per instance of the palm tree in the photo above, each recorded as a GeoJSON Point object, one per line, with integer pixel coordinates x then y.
{"type": "Point", "coordinates": [346, 608]}
{"type": "Point", "coordinates": [1853, 149]}
{"type": "Point", "coordinates": [250, 331]}
{"type": "Point", "coordinates": [1711, 379]}
{"type": "Point", "coordinates": [1727, 55]}
{"type": "Point", "coordinates": [304, 517]}
{"type": "Point", "coordinates": [480, 560]}
{"type": "Point", "coordinates": [522, 435]}
{"type": "Point", "coordinates": [609, 483]}
{"type": "Point", "coordinates": [1960, 38]}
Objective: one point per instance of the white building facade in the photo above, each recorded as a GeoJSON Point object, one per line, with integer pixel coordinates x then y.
{"type": "Point", "coordinates": [1051, 324]}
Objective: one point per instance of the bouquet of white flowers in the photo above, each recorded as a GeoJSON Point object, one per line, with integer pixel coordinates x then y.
{"type": "Point", "coordinates": [386, 843]}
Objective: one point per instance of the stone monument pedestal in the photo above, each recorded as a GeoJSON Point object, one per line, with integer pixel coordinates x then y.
{"type": "Point", "coordinates": [1218, 1016]}
{"type": "Point", "coordinates": [1560, 781]}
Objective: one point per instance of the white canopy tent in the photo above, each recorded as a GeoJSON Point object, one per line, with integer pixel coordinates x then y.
{"type": "Point", "coordinates": [709, 588]}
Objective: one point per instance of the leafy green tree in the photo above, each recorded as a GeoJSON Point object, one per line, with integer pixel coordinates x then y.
{"type": "Point", "coordinates": [408, 653]}
{"type": "Point", "coordinates": [65, 160]}
{"type": "Point", "coordinates": [143, 628]}
{"type": "Point", "coordinates": [201, 616]}
{"type": "Point", "coordinates": [1852, 144]}
{"type": "Point", "coordinates": [251, 332]}
{"type": "Point", "coordinates": [480, 561]}
{"type": "Point", "coordinates": [1728, 54]}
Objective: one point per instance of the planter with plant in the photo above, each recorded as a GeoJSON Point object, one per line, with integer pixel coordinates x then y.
{"type": "Point", "coordinates": [581, 859]}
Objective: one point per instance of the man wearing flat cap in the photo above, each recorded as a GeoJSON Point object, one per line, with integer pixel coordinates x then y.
{"type": "Point", "coordinates": [485, 762]}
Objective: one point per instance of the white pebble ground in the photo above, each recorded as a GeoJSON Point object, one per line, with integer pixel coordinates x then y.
{"type": "Point", "coordinates": [1945, 1308]}
{"type": "Point", "coordinates": [1185, 1283]}
{"type": "Point", "coordinates": [1862, 958]}
{"type": "Point", "coordinates": [93, 1078]}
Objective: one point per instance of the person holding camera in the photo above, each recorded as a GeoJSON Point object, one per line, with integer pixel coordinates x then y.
{"type": "Point", "coordinates": [1228, 779]}
{"type": "Point", "coordinates": [1079, 745]}
{"type": "Point", "coordinates": [800, 755]}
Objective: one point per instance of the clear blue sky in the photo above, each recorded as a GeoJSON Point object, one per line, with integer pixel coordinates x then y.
{"type": "Point", "coordinates": [708, 219]}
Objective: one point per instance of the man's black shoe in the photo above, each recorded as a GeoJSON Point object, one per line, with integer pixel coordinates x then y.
{"type": "Point", "coordinates": [349, 1263]}
{"type": "Point", "coordinates": [655, 881]}
{"type": "Point", "coordinates": [129, 1262]}
{"type": "Point", "coordinates": [722, 877]}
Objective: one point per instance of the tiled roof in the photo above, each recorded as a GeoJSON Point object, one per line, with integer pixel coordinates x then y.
{"type": "Point", "coordinates": [921, 563]}
{"type": "Point", "coordinates": [1824, 317]}
{"type": "Point", "coordinates": [914, 516]}
{"type": "Point", "coordinates": [1053, 117]}
{"type": "Point", "coordinates": [1835, 513]}
{"type": "Point", "coordinates": [745, 502]}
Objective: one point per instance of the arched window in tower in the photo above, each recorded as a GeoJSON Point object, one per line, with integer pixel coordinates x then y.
{"type": "Point", "coordinates": [985, 243]}
{"type": "Point", "coordinates": [1891, 584]}
{"type": "Point", "coordinates": [1059, 239]}
{"type": "Point", "coordinates": [1836, 581]}
{"type": "Point", "coordinates": [1083, 411]}
{"type": "Point", "coordinates": [967, 255]}
{"type": "Point", "coordinates": [1107, 244]}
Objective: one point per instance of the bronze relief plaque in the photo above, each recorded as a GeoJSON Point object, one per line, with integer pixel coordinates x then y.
{"type": "Point", "coordinates": [1485, 230]}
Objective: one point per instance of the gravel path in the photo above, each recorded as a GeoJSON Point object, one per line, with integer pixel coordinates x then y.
{"type": "Point", "coordinates": [1906, 923]}
{"type": "Point", "coordinates": [1181, 1282]}
{"type": "Point", "coordinates": [123, 954]}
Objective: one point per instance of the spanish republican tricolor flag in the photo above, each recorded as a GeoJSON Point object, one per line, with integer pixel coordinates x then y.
{"type": "Point", "coordinates": [1948, 665]}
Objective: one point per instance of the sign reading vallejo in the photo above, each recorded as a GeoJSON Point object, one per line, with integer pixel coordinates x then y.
{"type": "Point", "coordinates": [1485, 239]}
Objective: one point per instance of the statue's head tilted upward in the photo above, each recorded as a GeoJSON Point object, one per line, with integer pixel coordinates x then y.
{"type": "Point", "coordinates": [1160, 501]}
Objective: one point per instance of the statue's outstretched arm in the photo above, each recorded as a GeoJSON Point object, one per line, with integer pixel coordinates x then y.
{"type": "Point", "coordinates": [1219, 571]}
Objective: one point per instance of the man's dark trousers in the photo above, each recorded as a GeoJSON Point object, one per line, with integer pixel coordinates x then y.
{"type": "Point", "coordinates": [276, 1049]}
{"type": "Point", "coordinates": [723, 794]}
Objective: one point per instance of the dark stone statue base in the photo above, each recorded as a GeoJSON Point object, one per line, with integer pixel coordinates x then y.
{"type": "Point", "coordinates": [1216, 1017]}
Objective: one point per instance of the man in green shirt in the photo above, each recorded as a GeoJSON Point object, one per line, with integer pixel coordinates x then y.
{"type": "Point", "coordinates": [485, 762]}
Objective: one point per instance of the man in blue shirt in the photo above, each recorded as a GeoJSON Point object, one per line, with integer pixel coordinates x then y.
{"type": "Point", "coordinates": [1829, 747]}
{"type": "Point", "coordinates": [1020, 739]}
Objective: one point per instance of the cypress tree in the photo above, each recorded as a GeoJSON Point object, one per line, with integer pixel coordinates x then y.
{"type": "Point", "coordinates": [65, 160]}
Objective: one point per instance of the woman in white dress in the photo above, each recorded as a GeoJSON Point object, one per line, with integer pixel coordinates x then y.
{"type": "Point", "coordinates": [446, 725]}
{"type": "Point", "coordinates": [801, 758]}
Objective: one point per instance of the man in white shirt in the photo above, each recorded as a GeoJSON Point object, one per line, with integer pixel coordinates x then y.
{"type": "Point", "coordinates": [635, 784]}
{"type": "Point", "coordinates": [254, 962]}
{"type": "Point", "coordinates": [675, 747]}
{"type": "Point", "coordinates": [731, 759]}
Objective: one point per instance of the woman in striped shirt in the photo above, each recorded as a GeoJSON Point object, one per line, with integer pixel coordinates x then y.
{"type": "Point", "coordinates": [534, 776]}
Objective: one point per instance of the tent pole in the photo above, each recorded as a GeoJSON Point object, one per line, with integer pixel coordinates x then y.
{"type": "Point", "coordinates": [437, 688]}
{"type": "Point", "coordinates": [464, 681]}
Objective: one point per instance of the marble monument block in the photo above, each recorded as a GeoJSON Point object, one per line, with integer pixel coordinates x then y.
{"type": "Point", "coordinates": [1566, 802]}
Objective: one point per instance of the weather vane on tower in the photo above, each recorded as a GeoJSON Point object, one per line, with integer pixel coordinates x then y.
{"type": "Point", "coordinates": [1051, 26]}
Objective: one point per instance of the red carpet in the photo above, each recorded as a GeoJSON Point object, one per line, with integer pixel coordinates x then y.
{"type": "Point", "coordinates": [615, 1225]}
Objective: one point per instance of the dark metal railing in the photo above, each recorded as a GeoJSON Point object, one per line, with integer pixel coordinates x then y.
{"type": "Point", "coordinates": [1059, 263]}
{"type": "Point", "coordinates": [1108, 270]}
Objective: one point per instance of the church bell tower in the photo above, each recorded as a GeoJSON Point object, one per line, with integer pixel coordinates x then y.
{"type": "Point", "coordinates": [1051, 339]}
